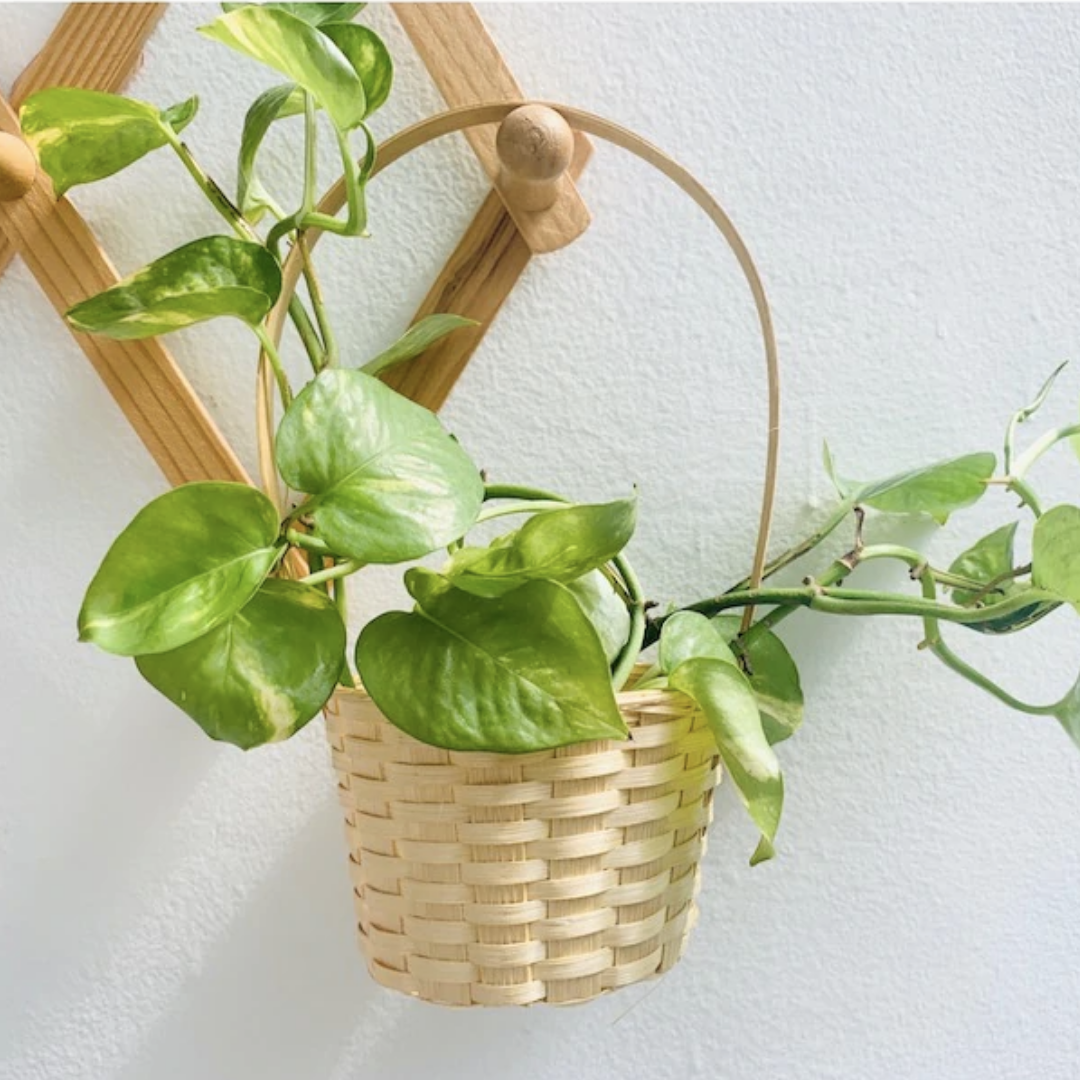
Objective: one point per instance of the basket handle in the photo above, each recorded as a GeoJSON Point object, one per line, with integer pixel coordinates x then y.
{"type": "Point", "coordinates": [454, 120]}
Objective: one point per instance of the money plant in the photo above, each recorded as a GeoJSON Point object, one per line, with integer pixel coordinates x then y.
{"type": "Point", "coordinates": [516, 644]}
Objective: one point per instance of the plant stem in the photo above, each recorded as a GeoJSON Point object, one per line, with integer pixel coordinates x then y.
{"type": "Point", "coordinates": [1039, 447]}
{"type": "Point", "coordinates": [284, 389]}
{"type": "Point", "coordinates": [307, 542]}
{"type": "Point", "coordinates": [1026, 413]}
{"type": "Point", "coordinates": [311, 156]}
{"type": "Point", "coordinates": [339, 570]}
{"type": "Point", "coordinates": [317, 304]}
{"type": "Point", "coordinates": [803, 547]}
{"type": "Point", "coordinates": [341, 603]}
{"type": "Point", "coordinates": [528, 506]}
{"type": "Point", "coordinates": [933, 642]}
{"type": "Point", "coordinates": [624, 662]}
{"type": "Point", "coordinates": [225, 207]}
{"type": "Point", "coordinates": [841, 601]}
{"type": "Point", "coordinates": [1027, 496]}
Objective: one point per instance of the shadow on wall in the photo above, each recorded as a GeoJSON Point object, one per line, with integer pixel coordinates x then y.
{"type": "Point", "coordinates": [282, 991]}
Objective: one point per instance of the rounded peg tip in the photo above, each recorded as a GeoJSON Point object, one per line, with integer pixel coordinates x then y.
{"type": "Point", "coordinates": [535, 147]}
{"type": "Point", "coordinates": [18, 167]}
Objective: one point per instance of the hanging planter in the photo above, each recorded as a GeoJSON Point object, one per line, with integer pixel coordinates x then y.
{"type": "Point", "coordinates": [508, 879]}
{"type": "Point", "coordinates": [526, 794]}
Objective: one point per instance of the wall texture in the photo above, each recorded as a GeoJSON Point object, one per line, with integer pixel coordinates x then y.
{"type": "Point", "coordinates": [909, 181]}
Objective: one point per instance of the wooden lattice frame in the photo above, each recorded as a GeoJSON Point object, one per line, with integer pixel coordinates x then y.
{"type": "Point", "coordinates": [98, 46]}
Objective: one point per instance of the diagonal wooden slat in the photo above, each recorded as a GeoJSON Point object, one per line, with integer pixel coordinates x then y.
{"type": "Point", "coordinates": [477, 279]}
{"type": "Point", "coordinates": [153, 393]}
{"type": "Point", "coordinates": [491, 256]}
{"type": "Point", "coordinates": [94, 47]}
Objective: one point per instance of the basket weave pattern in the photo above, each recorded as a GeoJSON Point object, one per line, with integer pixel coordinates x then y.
{"type": "Point", "coordinates": [492, 879]}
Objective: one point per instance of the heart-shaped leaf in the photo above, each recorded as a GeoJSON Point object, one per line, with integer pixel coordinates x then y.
{"type": "Point", "coordinates": [187, 562]}
{"type": "Point", "coordinates": [686, 635]}
{"type": "Point", "coordinates": [314, 14]}
{"type": "Point", "coordinates": [512, 674]}
{"type": "Point", "coordinates": [605, 609]}
{"type": "Point", "coordinates": [985, 561]}
{"type": "Point", "coordinates": [419, 337]}
{"type": "Point", "coordinates": [207, 278]}
{"type": "Point", "coordinates": [387, 482]}
{"type": "Point", "coordinates": [84, 135]}
{"type": "Point", "coordinates": [274, 104]}
{"type": "Point", "coordinates": [936, 490]}
{"type": "Point", "coordinates": [300, 52]}
{"type": "Point", "coordinates": [554, 545]}
{"type": "Point", "coordinates": [263, 674]}
{"type": "Point", "coordinates": [1055, 553]}
{"type": "Point", "coordinates": [724, 695]}
{"type": "Point", "coordinates": [369, 57]}
{"type": "Point", "coordinates": [773, 676]}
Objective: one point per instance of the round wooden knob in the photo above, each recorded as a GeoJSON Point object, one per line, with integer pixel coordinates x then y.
{"type": "Point", "coordinates": [18, 167]}
{"type": "Point", "coordinates": [535, 147]}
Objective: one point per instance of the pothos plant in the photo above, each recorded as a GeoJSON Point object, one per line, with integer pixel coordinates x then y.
{"type": "Point", "coordinates": [514, 645]}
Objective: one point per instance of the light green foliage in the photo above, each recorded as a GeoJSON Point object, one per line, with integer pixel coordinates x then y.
{"type": "Point", "coordinates": [274, 104]}
{"type": "Point", "coordinates": [299, 51]}
{"type": "Point", "coordinates": [202, 280]}
{"type": "Point", "coordinates": [313, 14]}
{"type": "Point", "coordinates": [418, 338]}
{"type": "Point", "coordinates": [688, 635]}
{"type": "Point", "coordinates": [605, 609]}
{"type": "Point", "coordinates": [187, 562]}
{"type": "Point", "coordinates": [773, 676]}
{"type": "Point", "coordinates": [264, 673]}
{"type": "Point", "coordinates": [387, 482]}
{"type": "Point", "coordinates": [370, 59]}
{"type": "Point", "coordinates": [519, 645]}
{"type": "Point", "coordinates": [937, 489]}
{"type": "Point", "coordinates": [555, 545]}
{"type": "Point", "coordinates": [724, 695]}
{"type": "Point", "coordinates": [987, 560]}
{"type": "Point", "coordinates": [515, 673]}
{"type": "Point", "coordinates": [85, 135]}
{"type": "Point", "coordinates": [1055, 553]}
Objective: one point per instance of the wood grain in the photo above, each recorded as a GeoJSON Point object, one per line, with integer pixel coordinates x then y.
{"type": "Point", "coordinates": [491, 256]}
{"type": "Point", "coordinates": [94, 47]}
{"type": "Point", "coordinates": [479, 276]}
{"type": "Point", "coordinates": [153, 393]}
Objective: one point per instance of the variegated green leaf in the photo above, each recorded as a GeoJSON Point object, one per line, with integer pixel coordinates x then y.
{"type": "Point", "coordinates": [187, 562]}
{"type": "Point", "coordinates": [84, 135]}
{"type": "Point", "coordinates": [264, 673]}
{"type": "Point", "coordinates": [207, 278]}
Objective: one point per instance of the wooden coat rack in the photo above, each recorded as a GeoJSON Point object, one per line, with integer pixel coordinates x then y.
{"type": "Point", "coordinates": [98, 47]}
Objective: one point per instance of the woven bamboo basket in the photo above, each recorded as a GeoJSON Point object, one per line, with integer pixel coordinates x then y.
{"type": "Point", "coordinates": [499, 879]}
{"type": "Point", "coordinates": [555, 876]}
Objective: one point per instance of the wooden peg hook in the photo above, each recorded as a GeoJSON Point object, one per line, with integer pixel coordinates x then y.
{"type": "Point", "coordinates": [535, 147]}
{"type": "Point", "coordinates": [18, 168]}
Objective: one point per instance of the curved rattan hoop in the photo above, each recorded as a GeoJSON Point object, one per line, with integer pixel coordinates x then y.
{"type": "Point", "coordinates": [455, 120]}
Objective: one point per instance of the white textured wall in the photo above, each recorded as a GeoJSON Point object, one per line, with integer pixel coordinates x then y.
{"type": "Point", "coordinates": [909, 180]}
